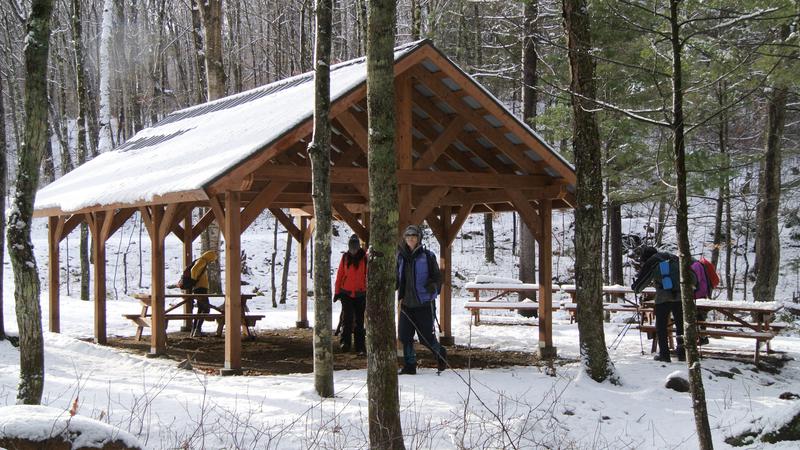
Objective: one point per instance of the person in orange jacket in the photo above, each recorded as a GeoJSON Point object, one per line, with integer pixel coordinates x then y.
{"type": "Point", "coordinates": [351, 289]}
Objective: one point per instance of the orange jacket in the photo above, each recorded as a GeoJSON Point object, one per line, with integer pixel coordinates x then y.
{"type": "Point", "coordinates": [352, 280]}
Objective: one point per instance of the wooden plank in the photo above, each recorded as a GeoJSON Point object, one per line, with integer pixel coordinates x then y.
{"type": "Point", "coordinates": [546, 348]}
{"type": "Point", "coordinates": [233, 284]}
{"type": "Point", "coordinates": [69, 225]}
{"type": "Point", "coordinates": [526, 212]}
{"type": "Point", "coordinates": [446, 268]}
{"type": "Point", "coordinates": [441, 143]}
{"type": "Point", "coordinates": [427, 203]}
{"type": "Point", "coordinates": [172, 197]}
{"type": "Point", "coordinates": [97, 228]}
{"type": "Point", "coordinates": [219, 213]}
{"type": "Point", "coordinates": [352, 221]}
{"type": "Point", "coordinates": [287, 224]}
{"type": "Point", "coordinates": [457, 223]}
{"type": "Point", "coordinates": [55, 227]}
{"type": "Point", "coordinates": [147, 220]}
{"type": "Point", "coordinates": [263, 199]}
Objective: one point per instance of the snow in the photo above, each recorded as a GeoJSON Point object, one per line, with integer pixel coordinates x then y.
{"type": "Point", "coordinates": [166, 407]}
{"type": "Point", "coordinates": [39, 423]}
{"type": "Point", "coordinates": [194, 146]}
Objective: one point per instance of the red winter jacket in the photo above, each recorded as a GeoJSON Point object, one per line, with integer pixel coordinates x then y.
{"type": "Point", "coordinates": [351, 280]}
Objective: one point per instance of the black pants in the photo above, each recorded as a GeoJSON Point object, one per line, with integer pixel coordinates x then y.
{"type": "Point", "coordinates": [203, 307]}
{"type": "Point", "coordinates": [353, 320]}
{"type": "Point", "coordinates": [419, 321]}
{"type": "Point", "coordinates": [663, 311]}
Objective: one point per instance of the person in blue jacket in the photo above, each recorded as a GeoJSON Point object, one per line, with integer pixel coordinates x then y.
{"type": "Point", "coordinates": [418, 284]}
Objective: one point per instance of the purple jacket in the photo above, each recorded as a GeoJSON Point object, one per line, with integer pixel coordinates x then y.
{"type": "Point", "coordinates": [703, 289]}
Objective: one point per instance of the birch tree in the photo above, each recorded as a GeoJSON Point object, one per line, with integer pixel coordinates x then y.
{"type": "Point", "coordinates": [23, 262]}
{"type": "Point", "coordinates": [105, 137]}
{"type": "Point", "coordinates": [3, 174]}
{"type": "Point", "coordinates": [320, 153]}
{"type": "Point", "coordinates": [385, 431]}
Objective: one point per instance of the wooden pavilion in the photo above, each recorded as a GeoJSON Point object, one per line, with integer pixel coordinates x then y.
{"type": "Point", "coordinates": [459, 151]}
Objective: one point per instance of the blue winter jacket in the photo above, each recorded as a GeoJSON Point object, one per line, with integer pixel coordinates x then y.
{"type": "Point", "coordinates": [427, 277]}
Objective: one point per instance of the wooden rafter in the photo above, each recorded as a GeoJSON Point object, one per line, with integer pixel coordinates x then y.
{"type": "Point", "coordinates": [263, 199]}
{"type": "Point", "coordinates": [441, 143]}
{"type": "Point", "coordinates": [351, 220]}
{"type": "Point", "coordinates": [458, 222]}
{"type": "Point", "coordinates": [287, 223]}
{"type": "Point", "coordinates": [527, 213]}
{"type": "Point", "coordinates": [219, 212]}
{"type": "Point", "coordinates": [496, 109]}
{"type": "Point", "coordinates": [427, 203]}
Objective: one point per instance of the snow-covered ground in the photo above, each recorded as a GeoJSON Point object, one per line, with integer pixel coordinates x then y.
{"type": "Point", "coordinates": [514, 407]}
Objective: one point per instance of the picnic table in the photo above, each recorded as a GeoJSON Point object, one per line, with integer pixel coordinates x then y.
{"type": "Point", "coordinates": [618, 298]}
{"type": "Point", "coordinates": [744, 320]}
{"type": "Point", "coordinates": [143, 319]}
{"type": "Point", "coordinates": [501, 290]}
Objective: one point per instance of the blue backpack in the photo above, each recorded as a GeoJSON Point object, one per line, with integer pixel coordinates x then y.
{"type": "Point", "coordinates": [670, 275]}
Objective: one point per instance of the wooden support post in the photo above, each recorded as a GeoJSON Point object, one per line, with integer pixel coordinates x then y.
{"type": "Point", "coordinates": [53, 268]}
{"type": "Point", "coordinates": [97, 225]}
{"type": "Point", "coordinates": [233, 285]}
{"type": "Point", "coordinates": [158, 326]}
{"type": "Point", "coordinates": [302, 274]}
{"type": "Point", "coordinates": [546, 348]}
{"type": "Point", "coordinates": [445, 265]}
{"type": "Point", "coordinates": [187, 259]}
{"type": "Point", "coordinates": [403, 141]}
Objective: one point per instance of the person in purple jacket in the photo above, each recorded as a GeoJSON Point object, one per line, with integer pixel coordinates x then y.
{"type": "Point", "coordinates": [418, 284]}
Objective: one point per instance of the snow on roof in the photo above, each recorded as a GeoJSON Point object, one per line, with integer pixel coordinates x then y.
{"type": "Point", "coordinates": [39, 423]}
{"type": "Point", "coordinates": [193, 146]}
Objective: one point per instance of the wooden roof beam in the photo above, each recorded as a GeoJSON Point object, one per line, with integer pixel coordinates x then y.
{"type": "Point", "coordinates": [351, 220]}
{"type": "Point", "coordinates": [527, 213]}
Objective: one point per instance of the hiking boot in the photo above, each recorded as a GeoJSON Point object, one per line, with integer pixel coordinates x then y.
{"type": "Point", "coordinates": [441, 363]}
{"type": "Point", "coordinates": [408, 369]}
{"type": "Point", "coordinates": [662, 358]}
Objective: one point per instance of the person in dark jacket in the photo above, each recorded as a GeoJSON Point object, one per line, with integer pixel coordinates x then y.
{"type": "Point", "coordinates": [351, 289]}
{"type": "Point", "coordinates": [418, 284]}
{"type": "Point", "coordinates": [668, 298]}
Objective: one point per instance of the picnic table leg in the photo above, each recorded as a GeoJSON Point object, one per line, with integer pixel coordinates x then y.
{"type": "Point", "coordinates": [140, 328]}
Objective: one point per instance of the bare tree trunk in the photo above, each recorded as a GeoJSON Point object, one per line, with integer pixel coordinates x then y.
{"type": "Point", "coordinates": [416, 20]}
{"type": "Point", "coordinates": [615, 243]}
{"type": "Point", "coordinates": [385, 430]}
{"type": "Point", "coordinates": [48, 167]}
{"type": "Point", "coordinates": [589, 193]}
{"type": "Point", "coordinates": [80, 139]}
{"type": "Point", "coordinates": [200, 58]}
{"type": "Point", "coordinates": [527, 243]}
{"type": "Point", "coordinates": [682, 228]}
{"type": "Point", "coordinates": [3, 174]}
{"type": "Point", "coordinates": [722, 193]}
{"type": "Point", "coordinates": [105, 138]}
{"type": "Point", "coordinates": [23, 261]}
{"type": "Point", "coordinates": [768, 247]}
{"type": "Point", "coordinates": [488, 238]}
{"type": "Point", "coordinates": [211, 15]}
{"type": "Point", "coordinates": [320, 153]}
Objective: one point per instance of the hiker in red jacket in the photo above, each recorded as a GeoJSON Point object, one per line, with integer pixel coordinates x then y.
{"type": "Point", "coordinates": [351, 289]}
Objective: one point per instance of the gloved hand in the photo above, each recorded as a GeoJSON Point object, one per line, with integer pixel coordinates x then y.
{"type": "Point", "coordinates": [430, 286]}
{"type": "Point", "coordinates": [336, 298]}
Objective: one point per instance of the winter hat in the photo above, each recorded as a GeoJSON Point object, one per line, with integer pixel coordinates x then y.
{"type": "Point", "coordinates": [646, 252]}
{"type": "Point", "coordinates": [353, 244]}
{"type": "Point", "coordinates": [412, 230]}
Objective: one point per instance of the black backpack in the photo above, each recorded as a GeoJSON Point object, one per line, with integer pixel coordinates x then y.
{"type": "Point", "coordinates": [186, 282]}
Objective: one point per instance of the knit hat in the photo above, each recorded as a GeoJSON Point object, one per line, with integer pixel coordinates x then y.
{"type": "Point", "coordinates": [646, 252]}
{"type": "Point", "coordinates": [412, 230]}
{"type": "Point", "coordinates": [353, 244]}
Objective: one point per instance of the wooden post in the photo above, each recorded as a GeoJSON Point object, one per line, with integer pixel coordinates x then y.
{"type": "Point", "coordinates": [53, 267]}
{"type": "Point", "coordinates": [302, 274]}
{"type": "Point", "coordinates": [403, 144]}
{"type": "Point", "coordinates": [158, 327]}
{"type": "Point", "coordinates": [546, 348]}
{"type": "Point", "coordinates": [445, 265]}
{"type": "Point", "coordinates": [96, 226]}
{"type": "Point", "coordinates": [187, 259]}
{"type": "Point", "coordinates": [233, 285]}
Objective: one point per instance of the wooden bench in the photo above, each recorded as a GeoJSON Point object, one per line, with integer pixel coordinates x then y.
{"type": "Point", "coordinates": [572, 309]}
{"type": "Point", "coordinates": [476, 307]}
{"type": "Point", "coordinates": [759, 336]}
{"type": "Point", "coordinates": [144, 321]}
